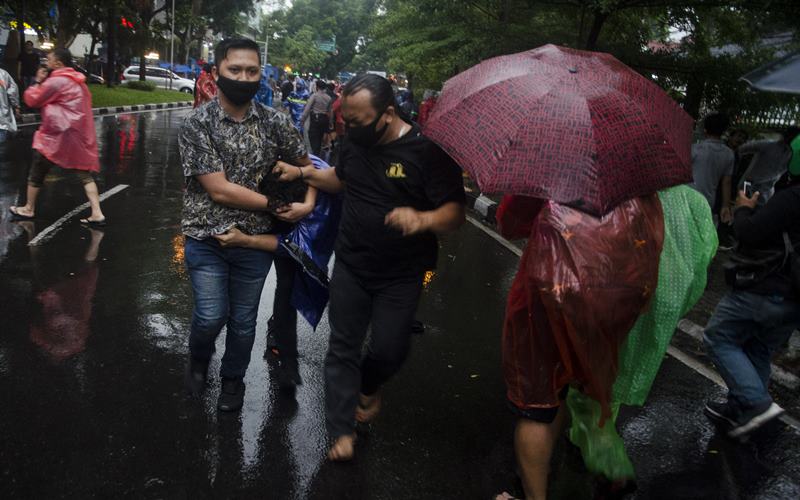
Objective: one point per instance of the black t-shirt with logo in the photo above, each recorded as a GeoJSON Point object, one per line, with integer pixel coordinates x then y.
{"type": "Point", "coordinates": [409, 172]}
{"type": "Point", "coordinates": [30, 63]}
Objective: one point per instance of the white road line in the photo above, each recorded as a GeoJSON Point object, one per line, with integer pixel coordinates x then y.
{"type": "Point", "coordinates": [53, 228]}
{"type": "Point", "coordinates": [20, 125]}
{"type": "Point", "coordinates": [676, 353]}
{"type": "Point", "coordinates": [516, 251]}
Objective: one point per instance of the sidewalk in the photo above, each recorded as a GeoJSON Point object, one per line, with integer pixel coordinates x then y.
{"type": "Point", "coordinates": [30, 118]}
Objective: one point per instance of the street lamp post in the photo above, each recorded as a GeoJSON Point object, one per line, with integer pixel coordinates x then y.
{"type": "Point", "coordinates": [172, 46]}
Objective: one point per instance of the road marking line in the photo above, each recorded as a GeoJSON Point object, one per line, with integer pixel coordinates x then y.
{"type": "Point", "coordinates": [20, 125]}
{"type": "Point", "coordinates": [676, 353]}
{"type": "Point", "coordinates": [516, 251]}
{"type": "Point", "coordinates": [53, 228]}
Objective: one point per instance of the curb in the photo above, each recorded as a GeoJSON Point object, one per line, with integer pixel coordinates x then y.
{"type": "Point", "coordinates": [487, 208]}
{"type": "Point", "coordinates": [111, 110]}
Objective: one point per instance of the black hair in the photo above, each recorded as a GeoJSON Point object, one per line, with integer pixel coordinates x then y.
{"type": "Point", "coordinates": [29, 42]}
{"type": "Point", "coordinates": [321, 85]}
{"type": "Point", "coordinates": [379, 88]}
{"type": "Point", "coordinates": [64, 56]}
{"type": "Point", "coordinates": [207, 67]}
{"type": "Point", "coordinates": [222, 48]}
{"type": "Point", "coordinates": [716, 124]}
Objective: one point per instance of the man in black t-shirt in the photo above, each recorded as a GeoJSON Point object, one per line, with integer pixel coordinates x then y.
{"type": "Point", "coordinates": [400, 191]}
{"type": "Point", "coordinates": [29, 63]}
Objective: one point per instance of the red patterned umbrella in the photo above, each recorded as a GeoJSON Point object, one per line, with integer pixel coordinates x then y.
{"type": "Point", "coordinates": [576, 127]}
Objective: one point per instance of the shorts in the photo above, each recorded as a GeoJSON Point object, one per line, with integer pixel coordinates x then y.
{"type": "Point", "coordinates": [42, 165]}
{"type": "Point", "coordinates": [542, 415]}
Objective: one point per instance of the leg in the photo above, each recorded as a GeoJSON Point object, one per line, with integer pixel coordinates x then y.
{"type": "Point", "coordinates": [284, 318]}
{"type": "Point", "coordinates": [248, 271]}
{"type": "Point", "coordinates": [39, 168]}
{"type": "Point", "coordinates": [732, 325]}
{"type": "Point", "coordinates": [349, 313]}
{"type": "Point", "coordinates": [93, 195]}
{"type": "Point", "coordinates": [534, 442]}
{"type": "Point", "coordinates": [208, 273]}
{"type": "Point", "coordinates": [394, 307]}
{"type": "Point", "coordinates": [778, 318]}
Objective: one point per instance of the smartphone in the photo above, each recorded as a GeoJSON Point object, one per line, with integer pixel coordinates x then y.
{"type": "Point", "coordinates": [748, 189]}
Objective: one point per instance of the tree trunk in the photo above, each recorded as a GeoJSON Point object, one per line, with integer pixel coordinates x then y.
{"type": "Point", "coordinates": [111, 45]}
{"type": "Point", "coordinates": [695, 89]}
{"type": "Point", "coordinates": [597, 26]}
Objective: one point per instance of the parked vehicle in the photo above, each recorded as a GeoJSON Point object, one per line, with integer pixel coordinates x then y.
{"type": "Point", "coordinates": [160, 77]}
{"type": "Point", "coordinates": [90, 77]}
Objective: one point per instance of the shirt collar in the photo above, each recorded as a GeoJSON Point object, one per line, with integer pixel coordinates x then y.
{"type": "Point", "coordinates": [220, 113]}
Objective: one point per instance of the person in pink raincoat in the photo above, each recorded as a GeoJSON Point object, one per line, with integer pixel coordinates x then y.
{"type": "Point", "coordinates": [66, 137]}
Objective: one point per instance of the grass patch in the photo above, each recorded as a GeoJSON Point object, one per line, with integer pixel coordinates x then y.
{"type": "Point", "coordinates": [103, 96]}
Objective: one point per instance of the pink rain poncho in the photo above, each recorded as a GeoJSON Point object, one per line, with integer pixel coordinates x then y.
{"type": "Point", "coordinates": [66, 136]}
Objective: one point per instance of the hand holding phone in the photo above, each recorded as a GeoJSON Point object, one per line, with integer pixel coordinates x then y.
{"type": "Point", "coordinates": [747, 187]}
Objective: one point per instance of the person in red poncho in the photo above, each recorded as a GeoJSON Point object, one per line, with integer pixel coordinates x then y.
{"type": "Point", "coordinates": [66, 137]}
{"type": "Point", "coordinates": [205, 88]}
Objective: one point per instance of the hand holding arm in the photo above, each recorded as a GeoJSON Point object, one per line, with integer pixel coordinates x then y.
{"type": "Point", "coordinates": [324, 179]}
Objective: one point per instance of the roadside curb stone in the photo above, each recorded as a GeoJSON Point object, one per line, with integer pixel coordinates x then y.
{"type": "Point", "coordinates": [112, 110]}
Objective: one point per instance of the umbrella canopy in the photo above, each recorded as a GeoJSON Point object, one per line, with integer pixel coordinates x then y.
{"type": "Point", "coordinates": [576, 127]}
{"type": "Point", "coordinates": [782, 75]}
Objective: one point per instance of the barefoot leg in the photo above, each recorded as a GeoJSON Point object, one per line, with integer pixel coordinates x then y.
{"type": "Point", "coordinates": [534, 443]}
{"type": "Point", "coordinates": [368, 407]}
{"type": "Point", "coordinates": [343, 448]}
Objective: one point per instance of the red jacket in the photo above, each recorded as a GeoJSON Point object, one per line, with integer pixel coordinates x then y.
{"type": "Point", "coordinates": [66, 136]}
{"type": "Point", "coordinates": [205, 88]}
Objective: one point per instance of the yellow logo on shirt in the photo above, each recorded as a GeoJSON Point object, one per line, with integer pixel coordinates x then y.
{"type": "Point", "coordinates": [395, 171]}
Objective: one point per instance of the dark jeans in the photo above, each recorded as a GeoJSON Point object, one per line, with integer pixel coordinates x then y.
{"type": "Point", "coordinates": [226, 284]}
{"type": "Point", "coordinates": [741, 337]}
{"type": "Point", "coordinates": [284, 316]}
{"type": "Point", "coordinates": [355, 304]}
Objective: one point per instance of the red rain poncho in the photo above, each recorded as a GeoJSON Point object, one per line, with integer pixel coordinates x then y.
{"type": "Point", "coordinates": [66, 136]}
{"type": "Point", "coordinates": [582, 283]}
{"type": "Point", "coordinates": [205, 88]}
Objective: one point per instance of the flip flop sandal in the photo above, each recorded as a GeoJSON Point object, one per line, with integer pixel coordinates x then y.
{"type": "Point", "coordinates": [93, 223]}
{"type": "Point", "coordinates": [18, 215]}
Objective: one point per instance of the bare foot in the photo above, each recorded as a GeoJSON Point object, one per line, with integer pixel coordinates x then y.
{"type": "Point", "coordinates": [343, 449]}
{"type": "Point", "coordinates": [24, 211]}
{"type": "Point", "coordinates": [505, 496]}
{"type": "Point", "coordinates": [368, 407]}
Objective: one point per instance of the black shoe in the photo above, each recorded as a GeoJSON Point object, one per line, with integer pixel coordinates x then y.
{"type": "Point", "coordinates": [231, 396]}
{"type": "Point", "coordinates": [753, 418]}
{"type": "Point", "coordinates": [290, 249]}
{"type": "Point", "coordinates": [288, 375]}
{"type": "Point", "coordinates": [721, 413]}
{"type": "Point", "coordinates": [196, 375]}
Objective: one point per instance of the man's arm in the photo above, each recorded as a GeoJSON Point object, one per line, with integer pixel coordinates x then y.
{"type": "Point", "coordinates": [725, 211]}
{"type": "Point", "coordinates": [444, 219]}
{"type": "Point", "coordinates": [323, 179]}
{"type": "Point", "coordinates": [224, 192]}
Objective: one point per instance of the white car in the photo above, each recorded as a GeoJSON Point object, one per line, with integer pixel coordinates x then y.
{"type": "Point", "coordinates": [160, 77]}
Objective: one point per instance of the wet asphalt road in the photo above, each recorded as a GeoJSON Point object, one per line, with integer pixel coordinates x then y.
{"type": "Point", "coordinates": [93, 343]}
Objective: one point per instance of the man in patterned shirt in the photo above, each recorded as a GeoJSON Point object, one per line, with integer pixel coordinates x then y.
{"type": "Point", "coordinates": [227, 147]}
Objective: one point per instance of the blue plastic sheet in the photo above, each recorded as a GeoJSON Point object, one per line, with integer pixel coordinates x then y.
{"type": "Point", "coordinates": [316, 235]}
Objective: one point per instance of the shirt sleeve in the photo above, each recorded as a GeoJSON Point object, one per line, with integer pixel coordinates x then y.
{"type": "Point", "coordinates": [198, 157]}
{"type": "Point", "coordinates": [37, 96]}
{"type": "Point", "coordinates": [752, 147]}
{"type": "Point", "coordinates": [290, 143]}
{"type": "Point", "coordinates": [444, 181]}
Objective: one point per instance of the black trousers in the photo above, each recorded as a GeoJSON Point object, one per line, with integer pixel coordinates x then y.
{"type": "Point", "coordinates": [355, 305]}
{"type": "Point", "coordinates": [316, 132]}
{"type": "Point", "coordinates": [284, 316]}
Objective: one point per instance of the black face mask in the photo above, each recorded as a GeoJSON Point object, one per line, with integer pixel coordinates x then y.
{"type": "Point", "coordinates": [366, 136]}
{"type": "Point", "coordinates": [238, 92]}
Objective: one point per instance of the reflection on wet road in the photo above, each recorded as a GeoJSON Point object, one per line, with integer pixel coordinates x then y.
{"type": "Point", "coordinates": [93, 345]}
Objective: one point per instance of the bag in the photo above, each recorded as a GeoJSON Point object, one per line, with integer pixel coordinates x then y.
{"type": "Point", "coordinates": [743, 271]}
